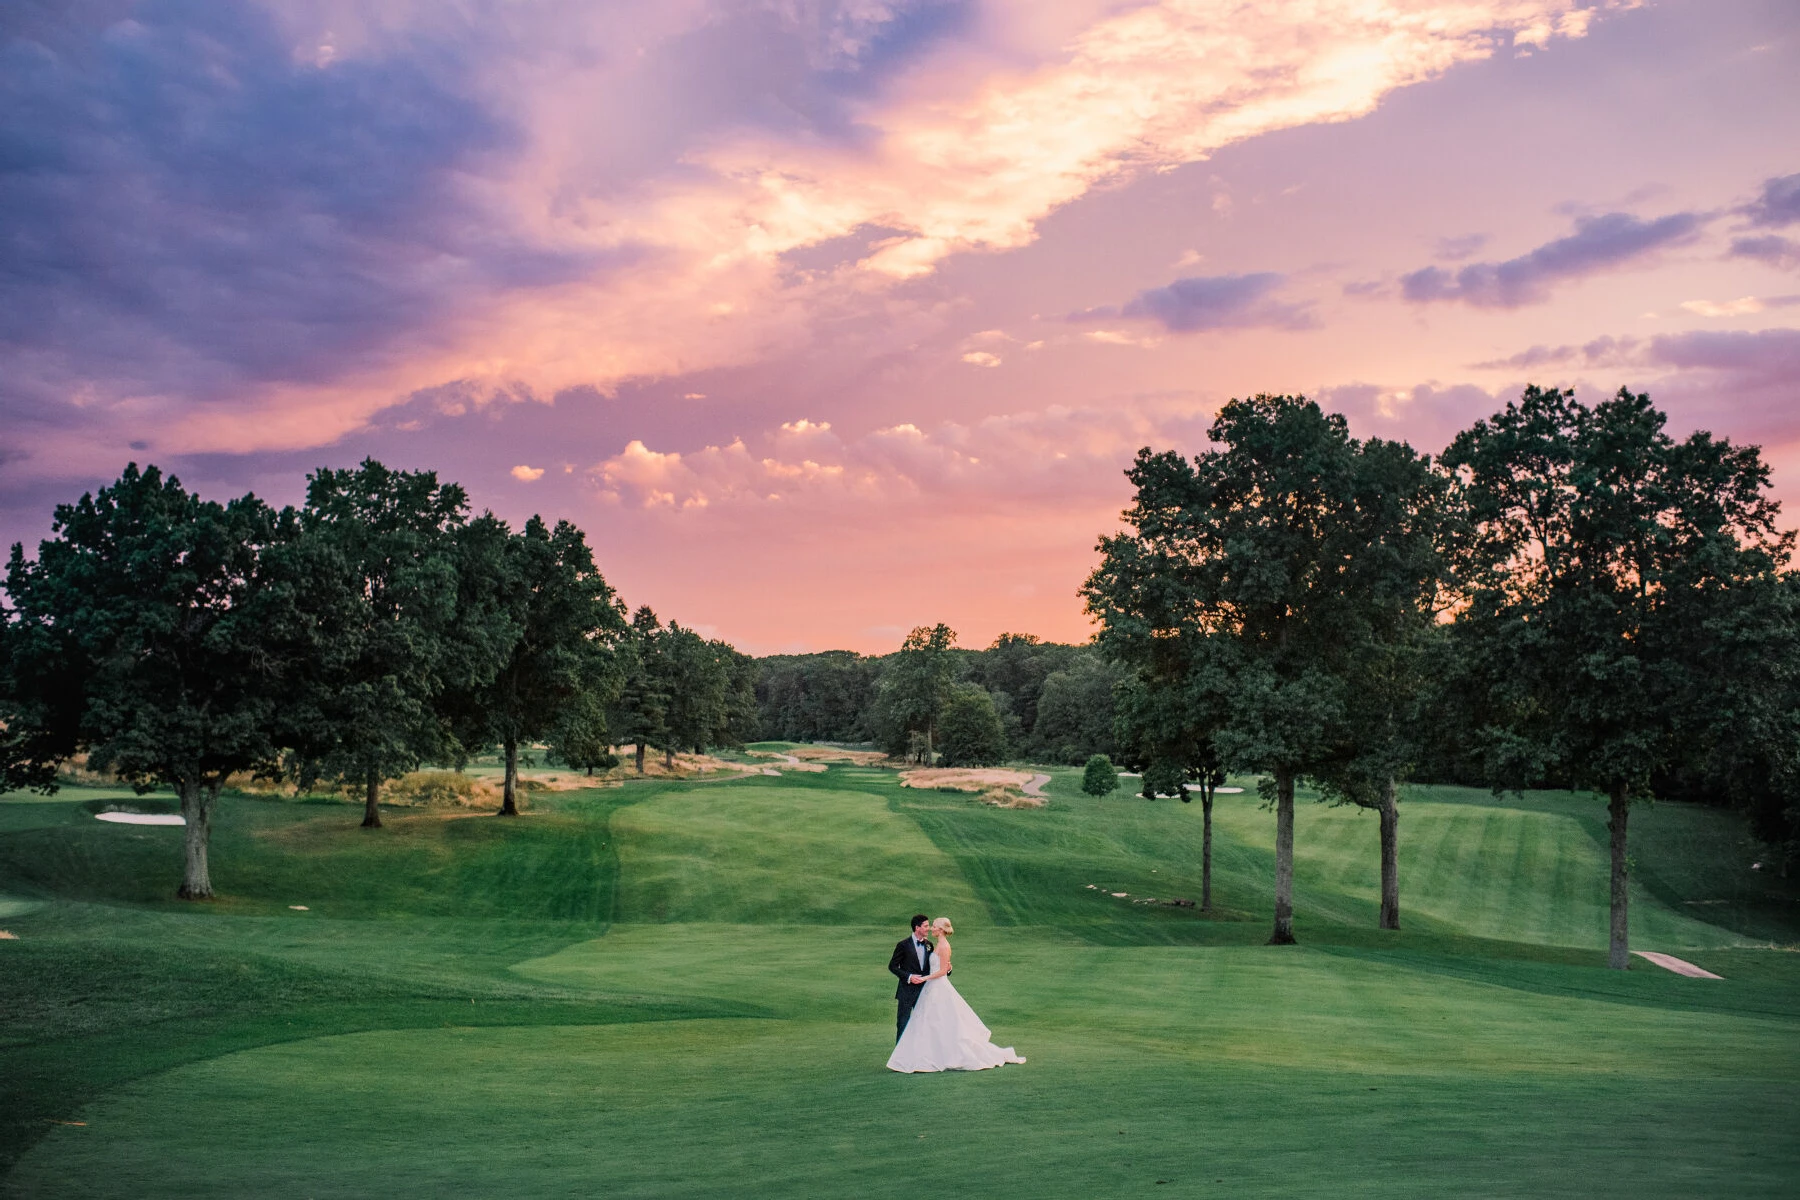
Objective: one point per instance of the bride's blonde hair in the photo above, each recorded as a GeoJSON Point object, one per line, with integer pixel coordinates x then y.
{"type": "Point", "coordinates": [942, 925]}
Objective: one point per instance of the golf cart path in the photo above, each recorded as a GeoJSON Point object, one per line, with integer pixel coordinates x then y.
{"type": "Point", "coordinates": [1036, 786]}
{"type": "Point", "coordinates": [1669, 962]}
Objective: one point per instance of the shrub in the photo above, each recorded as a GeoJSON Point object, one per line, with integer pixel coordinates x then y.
{"type": "Point", "coordinates": [1101, 777]}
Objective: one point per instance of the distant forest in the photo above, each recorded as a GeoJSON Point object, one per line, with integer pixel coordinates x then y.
{"type": "Point", "coordinates": [1053, 702]}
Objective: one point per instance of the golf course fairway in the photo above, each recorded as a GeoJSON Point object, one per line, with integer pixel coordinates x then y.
{"type": "Point", "coordinates": [677, 989]}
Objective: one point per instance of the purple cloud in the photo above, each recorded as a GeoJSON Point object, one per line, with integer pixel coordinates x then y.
{"type": "Point", "coordinates": [1598, 243]}
{"type": "Point", "coordinates": [1770, 248]}
{"type": "Point", "coordinates": [1214, 302]}
{"type": "Point", "coordinates": [1601, 352]}
{"type": "Point", "coordinates": [186, 204]}
{"type": "Point", "coordinates": [1761, 356]}
{"type": "Point", "coordinates": [1455, 249]}
{"type": "Point", "coordinates": [1779, 204]}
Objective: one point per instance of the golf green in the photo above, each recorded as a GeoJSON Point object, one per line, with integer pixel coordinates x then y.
{"type": "Point", "coordinates": [678, 990]}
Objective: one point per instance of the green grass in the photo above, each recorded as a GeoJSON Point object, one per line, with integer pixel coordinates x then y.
{"type": "Point", "coordinates": [677, 989]}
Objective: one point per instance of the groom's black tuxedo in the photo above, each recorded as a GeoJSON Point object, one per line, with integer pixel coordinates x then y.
{"type": "Point", "coordinates": [907, 960]}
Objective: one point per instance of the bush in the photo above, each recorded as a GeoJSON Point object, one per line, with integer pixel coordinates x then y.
{"type": "Point", "coordinates": [1101, 777]}
{"type": "Point", "coordinates": [970, 733]}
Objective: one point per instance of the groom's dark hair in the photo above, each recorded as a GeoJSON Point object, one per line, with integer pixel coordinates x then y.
{"type": "Point", "coordinates": [919, 919]}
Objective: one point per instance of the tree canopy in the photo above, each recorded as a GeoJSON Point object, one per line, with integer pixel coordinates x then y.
{"type": "Point", "coordinates": [562, 620]}
{"type": "Point", "coordinates": [1605, 564]}
{"type": "Point", "coordinates": [142, 636]}
{"type": "Point", "coordinates": [1244, 549]}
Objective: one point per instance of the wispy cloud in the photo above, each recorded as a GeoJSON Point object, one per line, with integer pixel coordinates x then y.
{"type": "Point", "coordinates": [253, 227]}
{"type": "Point", "coordinates": [1598, 244]}
{"type": "Point", "coordinates": [1062, 455]}
{"type": "Point", "coordinates": [1770, 248]}
{"type": "Point", "coordinates": [1778, 204]}
{"type": "Point", "coordinates": [1741, 307]}
{"type": "Point", "coordinates": [1202, 302]}
{"type": "Point", "coordinates": [1601, 351]}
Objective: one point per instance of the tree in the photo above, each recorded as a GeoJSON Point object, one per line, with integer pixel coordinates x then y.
{"type": "Point", "coordinates": [1245, 548]}
{"type": "Point", "coordinates": [564, 621]}
{"type": "Point", "coordinates": [1016, 667]}
{"type": "Point", "coordinates": [581, 737]}
{"type": "Point", "coordinates": [641, 715]}
{"type": "Point", "coordinates": [970, 729]}
{"type": "Point", "coordinates": [1394, 584]}
{"type": "Point", "coordinates": [1604, 562]}
{"type": "Point", "coordinates": [143, 635]}
{"type": "Point", "coordinates": [378, 574]}
{"type": "Point", "coordinates": [711, 696]}
{"type": "Point", "coordinates": [914, 691]}
{"type": "Point", "coordinates": [1168, 712]}
{"type": "Point", "coordinates": [825, 697]}
{"type": "Point", "coordinates": [1744, 743]}
{"type": "Point", "coordinates": [1075, 710]}
{"type": "Point", "coordinates": [1100, 778]}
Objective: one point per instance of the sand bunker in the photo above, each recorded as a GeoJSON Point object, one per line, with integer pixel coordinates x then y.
{"type": "Point", "coordinates": [1225, 791]}
{"type": "Point", "coordinates": [789, 762]}
{"type": "Point", "coordinates": [964, 779]}
{"type": "Point", "coordinates": [836, 754]}
{"type": "Point", "coordinates": [1669, 962]}
{"type": "Point", "coordinates": [125, 818]}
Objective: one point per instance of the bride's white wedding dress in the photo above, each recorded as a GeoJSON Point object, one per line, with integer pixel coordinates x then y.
{"type": "Point", "coordinates": [944, 1034]}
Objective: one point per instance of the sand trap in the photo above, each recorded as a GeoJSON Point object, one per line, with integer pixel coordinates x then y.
{"type": "Point", "coordinates": [120, 818]}
{"type": "Point", "coordinates": [789, 762]}
{"type": "Point", "coordinates": [972, 779]}
{"type": "Point", "coordinates": [1669, 962]}
{"type": "Point", "coordinates": [1225, 791]}
{"type": "Point", "coordinates": [832, 754]}
{"type": "Point", "coordinates": [8, 936]}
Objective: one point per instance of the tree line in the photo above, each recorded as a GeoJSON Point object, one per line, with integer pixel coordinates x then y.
{"type": "Point", "coordinates": [1567, 597]}
{"type": "Point", "coordinates": [1020, 698]}
{"type": "Point", "coordinates": [177, 641]}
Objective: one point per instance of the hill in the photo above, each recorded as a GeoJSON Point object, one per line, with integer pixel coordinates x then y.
{"type": "Point", "coordinates": [676, 988]}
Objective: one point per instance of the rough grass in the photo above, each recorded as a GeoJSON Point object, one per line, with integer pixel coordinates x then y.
{"type": "Point", "coordinates": [677, 989]}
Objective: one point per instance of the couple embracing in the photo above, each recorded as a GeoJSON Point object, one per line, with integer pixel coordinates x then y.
{"type": "Point", "coordinates": [935, 1029]}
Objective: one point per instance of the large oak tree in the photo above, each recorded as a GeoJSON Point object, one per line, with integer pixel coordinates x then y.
{"type": "Point", "coordinates": [558, 661]}
{"type": "Point", "coordinates": [145, 635]}
{"type": "Point", "coordinates": [1608, 564]}
{"type": "Point", "coordinates": [377, 572]}
{"type": "Point", "coordinates": [1244, 549]}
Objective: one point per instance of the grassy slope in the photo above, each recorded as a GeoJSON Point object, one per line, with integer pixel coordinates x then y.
{"type": "Point", "coordinates": [1482, 1049]}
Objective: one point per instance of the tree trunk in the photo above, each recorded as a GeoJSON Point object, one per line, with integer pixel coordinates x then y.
{"type": "Point", "coordinates": [196, 810]}
{"type": "Point", "coordinates": [1284, 860]}
{"type": "Point", "coordinates": [372, 801]}
{"type": "Point", "coordinates": [509, 786]}
{"type": "Point", "coordinates": [1618, 952]}
{"type": "Point", "coordinates": [640, 758]}
{"type": "Point", "coordinates": [668, 758]}
{"type": "Point", "coordinates": [1206, 799]}
{"type": "Point", "coordinates": [1390, 855]}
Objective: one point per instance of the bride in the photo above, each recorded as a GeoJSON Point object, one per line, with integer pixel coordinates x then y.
{"type": "Point", "coordinates": [944, 1034]}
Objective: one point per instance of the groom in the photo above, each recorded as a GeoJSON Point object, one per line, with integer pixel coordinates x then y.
{"type": "Point", "coordinates": [910, 964]}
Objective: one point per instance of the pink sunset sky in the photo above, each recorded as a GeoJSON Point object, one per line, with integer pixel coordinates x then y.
{"type": "Point", "coordinates": [829, 318]}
